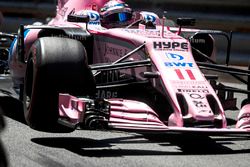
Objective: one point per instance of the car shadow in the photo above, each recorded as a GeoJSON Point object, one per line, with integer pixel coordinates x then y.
{"type": "Point", "coordinates": [12, 108]}
{"type": "Point", "coordinates": [231, 122]}
{"type": "Point", "coordinates": [201, 144]}
{"type": "Point", "coordinates": [186, 145]}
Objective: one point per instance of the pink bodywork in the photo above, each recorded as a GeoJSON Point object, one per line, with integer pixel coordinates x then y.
{"type": "Point", "coordinates": [66, 6]}
{"type": "Point", "coordinates": [172, 57]}
{"type": "Point", "coordinates": [176, 66]}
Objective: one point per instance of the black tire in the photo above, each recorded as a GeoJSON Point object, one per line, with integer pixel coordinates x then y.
{"type": "Point", "coordinates": [3, 157]}
{"type": "Point", "coordinates": [54, 65]}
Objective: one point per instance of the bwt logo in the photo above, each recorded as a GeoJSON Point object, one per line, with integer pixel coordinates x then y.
{"type": "Point", "coordinates": [174, 56]}
{"type": "Point", "coordinates": [178, 64]}
{"type": "Point", "coordinates": [150, 18]}
{"type": "Point", "coordinates": [93, 16]}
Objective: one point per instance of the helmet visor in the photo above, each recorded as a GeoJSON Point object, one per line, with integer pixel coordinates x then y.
{"type": "Point", "coordinates": [118, 17]}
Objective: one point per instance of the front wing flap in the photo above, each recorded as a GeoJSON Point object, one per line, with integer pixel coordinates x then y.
{"type": "Point", "coordinates": [124, 115]}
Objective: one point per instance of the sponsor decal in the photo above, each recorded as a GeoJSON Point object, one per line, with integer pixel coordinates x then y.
{"type": "Point", "coordinates": [205, 111]}
{"type": "Point", "coordinates": [94, 7]}
{"type": "Point", "coordinates": [178, 64]}
{"type": "Point", "coordinates": [185, 75]}
{"type": "Point", "coordinates": [147, 33]}
{"type": "Point", "coordinates": [181, 75]}
{"type": "Point", "coordinates": [93, 17]}
{"type": "Point", "coordinates": [200, 104]}
{"type": "Point", "coordinates": [94, 23]}
{"type": "Point", "coordinates": [71, 36]}
{"type": "Point", "coordinates": [170, 45]}
{"type": "Point", "coordinates": [111, 50]}
{"type": "Point", "coordinates": [106, 94]}
{"type": "Point", "coordinates": [196, 96]}
{"type": "Point", "coordinates": [190, 74]}
{"type": "Point", "coordinates": [193, 90]}
{"type": "Point", "coordinates": [190, 84]}
{"type": "Point", "coordinates": [149, 18]}
{"type": "Point", "coordinates": [199, 100]}
{"type": "Point", "coordinates": [174, 56]}
{"type": "Point", "coordinates": [198, 41]}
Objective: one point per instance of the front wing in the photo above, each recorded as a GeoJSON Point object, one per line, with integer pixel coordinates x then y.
{"type": "Point", "coordinates": [126, 115]}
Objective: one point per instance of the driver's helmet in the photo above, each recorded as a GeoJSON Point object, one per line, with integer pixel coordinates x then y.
{"type": "Point", "coordinates": [115, 13]}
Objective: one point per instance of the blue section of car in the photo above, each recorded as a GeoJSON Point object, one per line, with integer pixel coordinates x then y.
{"type": "Point", "coordinates": [150, 18]}
{"type": "Point", "coordinates": [174, 56]}
{"type": "Point", "coordinates": [93, 16]}
{"type": "Point", "coordinates": [12, 46]}
{"type": "Point", "coordinates": [15, 41]}
{"type": "Point", "coordinates": [119, 5]}
{"type": "Point", "coordinates": [178, 64]}
{"type": "Point", "coordinates": [26, 33]}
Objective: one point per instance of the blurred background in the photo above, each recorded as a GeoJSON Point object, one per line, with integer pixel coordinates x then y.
{"type": "Point", "coordinates": [226, 15]}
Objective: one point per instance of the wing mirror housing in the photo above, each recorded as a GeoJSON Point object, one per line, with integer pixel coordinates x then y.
{"type": "Point", "coordinates": [186, 22]}
{"type": "Point", "coordinates": [78, 18]}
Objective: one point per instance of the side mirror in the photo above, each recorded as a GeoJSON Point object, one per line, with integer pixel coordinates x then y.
{"type": "Point", "coordinates": [78, 18]}
{"type": "Point", "coordinates": [20, 43]}
{"type": "Point", "coordinates": [185, 22]}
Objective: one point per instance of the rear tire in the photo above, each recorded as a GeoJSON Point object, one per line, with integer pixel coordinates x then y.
{"type": "Point", "coordinates": [54, 65]}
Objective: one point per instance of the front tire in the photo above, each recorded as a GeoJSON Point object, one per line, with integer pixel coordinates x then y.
{"type": "Point", "coordinates": [55, 65]}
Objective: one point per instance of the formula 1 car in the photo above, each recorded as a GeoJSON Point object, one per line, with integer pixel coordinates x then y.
{"type": "Point", "coordinates": [144, 77]}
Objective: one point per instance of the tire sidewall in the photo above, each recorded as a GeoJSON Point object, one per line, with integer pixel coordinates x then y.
{"type": "Point", "coordinates": [53, 68]}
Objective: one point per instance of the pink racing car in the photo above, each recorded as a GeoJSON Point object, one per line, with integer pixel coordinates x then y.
{"type": "Point", "coordinates": [143, 77]}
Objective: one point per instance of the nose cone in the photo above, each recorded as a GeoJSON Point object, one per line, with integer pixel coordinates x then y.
{"type": "Point", "coordinates": [206, 115]}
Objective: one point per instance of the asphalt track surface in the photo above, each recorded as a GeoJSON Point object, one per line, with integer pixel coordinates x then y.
{"type": "Point", "coordinates": [30, 148]}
